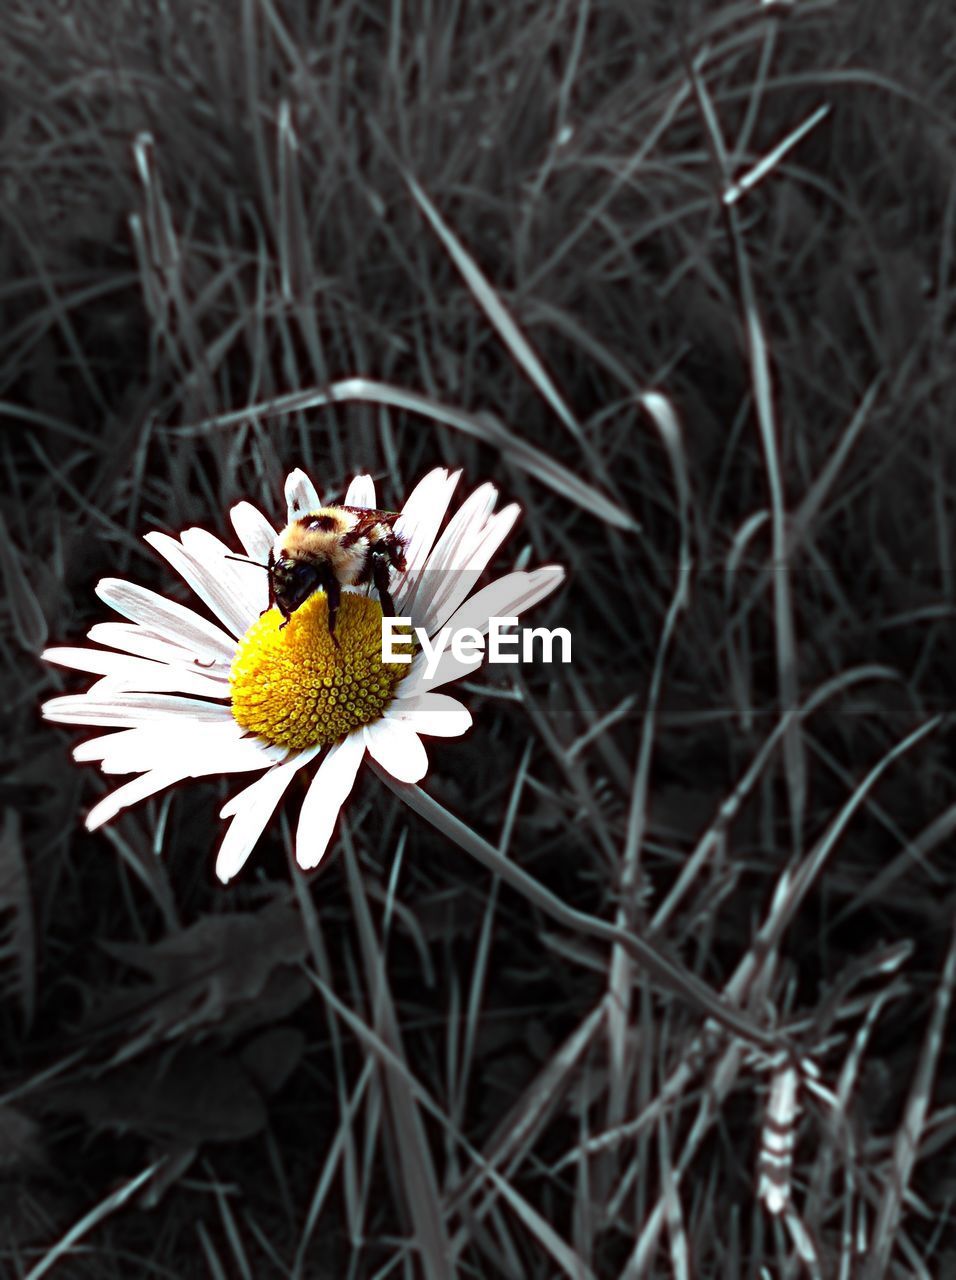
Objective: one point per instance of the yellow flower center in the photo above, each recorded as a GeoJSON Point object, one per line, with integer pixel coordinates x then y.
{"type": "Point", "coordinates": [292, 686]}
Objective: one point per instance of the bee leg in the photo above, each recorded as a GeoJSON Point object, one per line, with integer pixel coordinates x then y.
{"type": "Point", "coordinates": [380, 576]}
{"type": "Point", "coordinates": [333, 595]}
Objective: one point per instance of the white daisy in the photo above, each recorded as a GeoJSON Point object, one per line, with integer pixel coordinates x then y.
{"type": "Point", "coordinates": [185, 697]}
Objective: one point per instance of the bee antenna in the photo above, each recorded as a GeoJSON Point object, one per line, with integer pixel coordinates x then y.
{"type": "Point", "coordinates": [248, 560]}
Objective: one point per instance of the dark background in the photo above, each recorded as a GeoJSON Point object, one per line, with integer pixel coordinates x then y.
{"type": "Point", "coordinates": [201, 1068]}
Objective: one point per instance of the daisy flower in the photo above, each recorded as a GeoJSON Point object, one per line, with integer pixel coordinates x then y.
{"type": "Point", "coordinates": [185, 697]}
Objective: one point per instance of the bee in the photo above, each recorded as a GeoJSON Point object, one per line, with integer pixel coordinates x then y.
{"type": "Point", "coordinates": [332, 548]}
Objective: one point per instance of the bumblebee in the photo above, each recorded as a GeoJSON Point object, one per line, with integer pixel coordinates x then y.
{"type": "Point", "coordinates": [332, 548]}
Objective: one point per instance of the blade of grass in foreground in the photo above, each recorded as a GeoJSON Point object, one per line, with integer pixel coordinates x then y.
{"type": "Point", "coordinates": [354, 1205]}
{"type": "Point", "coordinates": [518, 345]}
{"type": "Point", "coordinates": [788, 894]}
{"type": "Point", "coordinates": [419, 1180]}
{"type": "Point", "coordinates": [796, 879]}
{"type": "Point", "coordinates": [114, 1201]}
{"type": "Point", "coordinates": [906, 1146]}
{"type": "Point", "coordinates": [496, 311]}
{"type": "Point", "coordinates": [566, 1257]}
{"type": "Point", "coordinates": [335, 1157]}
{"type": "Point", "coordinates": [620, 980]}
{"type": "Point", "coordinates": [670, 974]}
{"type": "Point", "coordinates": [483, 426]}
{"type": "Point", "coordinates": [728, 809]}
{"type": "Point", "coordinates": [18, 939]}
{"type": "Point", "coordinates": [480, 963]}
{"type": "Point", "coordinates": [513, 1136]}
{"type": "Point", "coordinates": [29, 623]}
{"type": "Point", "coordinates": [784, 629]}
{"type": "Point", "coordinates": [230, 1227]}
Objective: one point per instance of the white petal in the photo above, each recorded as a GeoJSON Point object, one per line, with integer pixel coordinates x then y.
{"type": "Point", "coordinates": [245, 585]}
{"type": "Point", "coordinates": [132, 709]}
{"type": "Point", "coordinates": [434, 714]}
{"type": "Point", "coordinates": [398, 749]}
{"type": "Point", "coordinates": [173, 763]}
{"type": "Point", "coordinates": [300, 494]}
{"type": "Point", "coordinates": [325, 797]}
{"type": "Point", "coordinates": [492, 535]}
{"type": "Point", "coordinates": [463, 527]}
{"type": "Point", "coordinates": [507, 597]}
{"type": "Point", "coordinates": [242, 757]}
{"type": "Point", "coordinates": [207, 749]}
{"type": "Point", "coordinates": [114, 744]}
{"type": "Point", "coordinates": [452, 551]}
{"type": "Point", "coordinates": [174, 621]}
{"type": "Point", "coordinates": [210, 576]}
{"type": "Point", "coordinates": [139, 674]}
{"type": "Point", "coordinates": [419, 523]}
{"type": "Point", "coordinates": [147, 784]}
{"type": "Point", "coordinates": [448, 668]}
{"type": "Point", "coordinates": [360, 493]}
{"type": "Point", "coordinates": [255, 532]}
{"type": "Point", "coordinates": [251, 809]}
{"type": "Point", "coordinates": [117, 684]}
{"type": "Point", "coordinates": [132, 638]}
{"type": "Point", "coordinates": [454, 581]}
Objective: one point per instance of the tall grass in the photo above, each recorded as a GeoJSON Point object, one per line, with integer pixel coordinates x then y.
{"type": "Point", "coordinates": [680, 281]}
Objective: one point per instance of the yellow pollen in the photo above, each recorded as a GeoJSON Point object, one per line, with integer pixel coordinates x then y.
{"type": "Point", "coordinates": [292, 686]}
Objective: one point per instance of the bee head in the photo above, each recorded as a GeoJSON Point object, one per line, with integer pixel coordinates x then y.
{"type": "Point", "coordinates": [293, 581]}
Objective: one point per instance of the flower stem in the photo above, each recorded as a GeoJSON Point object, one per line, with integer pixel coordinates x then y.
{"type": "Point", "coordinates": [669, 973]}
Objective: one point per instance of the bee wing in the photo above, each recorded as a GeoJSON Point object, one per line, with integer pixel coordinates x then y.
{"type": "Point", "coordinates": [368, 515]}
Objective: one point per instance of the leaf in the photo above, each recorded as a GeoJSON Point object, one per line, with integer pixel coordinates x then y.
{"type": "Point", "coordinates": [272, 1057]}
{"type": "Point", "coordinates": [224, 974]}
{"type": "Point", "coordinates": [194, 1096]}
